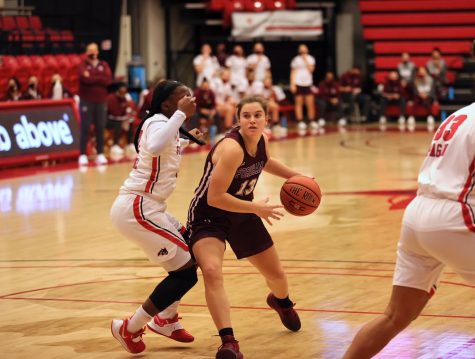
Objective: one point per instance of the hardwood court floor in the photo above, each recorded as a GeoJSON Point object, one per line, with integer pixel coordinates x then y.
{"type": "Point", "coordinates": [65, 272]}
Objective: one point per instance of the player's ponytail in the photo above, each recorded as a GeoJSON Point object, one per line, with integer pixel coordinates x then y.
{"type": "Point", "coordinates": [161, 92]}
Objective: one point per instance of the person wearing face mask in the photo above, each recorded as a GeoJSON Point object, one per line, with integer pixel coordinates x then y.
{"type": "Point", "coordinates": [13, 90]}
{"type": "Point", "coordinates": [437, 68]}
{"type": "Point", "coordinates": [205, 64]}
{"type": "Point", "coordinates": [236, 63]}
{"type": "Point", "coordinates": [301, 82]}
{"type": "Point", "coordinates": [258, 63]}
{"type": "Point", "coordinates": [406, 68]}
{"type": "Point", "coordinates": [32, 92]}
{"type": "Point", "coordinates": [94, 77]}
{"type": "Point", "coordinates": [121, 116]}
{"type": "Point", "coordinates": [57, 90]}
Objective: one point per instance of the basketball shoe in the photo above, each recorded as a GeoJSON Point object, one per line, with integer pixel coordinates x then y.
{"type": "Point", "coordinates": [229, 349]}
{"type": "Point", "coordinates": [132, 342]}
{"type": "Point", "coordinates": [288, 316]}
{"type": "Point", "coordinates": [170, 328]}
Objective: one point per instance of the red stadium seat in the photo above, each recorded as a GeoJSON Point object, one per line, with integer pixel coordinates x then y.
{"type": "Point", "coordinates": [36, 23]}
{"type": "Point", "coordinates": [416, 5]}
{"type": "Point", "coordinates": [436, 32]}
{"type": "Point", "coordinates": [9, 23]}
{"type": "Point", "coordinates": [51, 68]}
{"type": "Point", "coordinates": [418, 47]}
{"type": "Point", "coordinates": [7, 70]}
{"type": "Point", "coordinates": [290, 4]}
{"type": "Point", "coordinates": [417, 19]}
{"type": "Point", "coordinates": [274, 4]}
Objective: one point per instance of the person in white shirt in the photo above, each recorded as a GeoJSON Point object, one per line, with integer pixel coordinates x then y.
{"type": "Point", "coordinates": [301, 82]}
{"type": "Point", "coordinates": [227, 97]}
{"type": "Point", "coordinates": [258, 63]}
{"type": "Point", "coordinates": [139, 213]}
{"type": "Point", "coordinates": [206, 65]}
{"type": "Point", "coordinates": [438, 229]}
{"type": "Point", "coordinates": [236, 63]}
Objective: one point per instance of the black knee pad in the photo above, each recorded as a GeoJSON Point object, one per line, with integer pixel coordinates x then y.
{"type": "Point", "coordinates": [173, 287]}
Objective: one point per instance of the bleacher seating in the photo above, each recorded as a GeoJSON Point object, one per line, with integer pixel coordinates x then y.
{"type": "Point", "coordinates": [26, 34]}
{"type": "Point", "coordinates": [43, 67]}
{"type": "Point", "coordinates": [391, 27]}
{"type": "Point", "coordinates": [416, 27]}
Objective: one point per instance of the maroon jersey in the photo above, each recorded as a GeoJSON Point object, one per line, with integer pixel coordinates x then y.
{"type": "Point", "coordinates": [242, 185]}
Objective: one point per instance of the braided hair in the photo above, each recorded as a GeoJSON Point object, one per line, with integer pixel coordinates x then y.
{"type": "Point", "coordinates": [160, 94]}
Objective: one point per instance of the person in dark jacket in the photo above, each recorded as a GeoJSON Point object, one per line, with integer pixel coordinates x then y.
{"type": "Point", "coordinates": [329, 95]}
{"type": "Point", "coordinates": [94, 77]}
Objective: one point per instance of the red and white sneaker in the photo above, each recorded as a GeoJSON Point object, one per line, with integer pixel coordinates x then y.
{"type": "Point", "coordinates": [170, 328]}
{"type": "Point", "coordinates": [132, 342]}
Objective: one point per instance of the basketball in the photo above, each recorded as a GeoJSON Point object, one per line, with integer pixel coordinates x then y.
{"type": "Point", "coordinates": [300, 195]}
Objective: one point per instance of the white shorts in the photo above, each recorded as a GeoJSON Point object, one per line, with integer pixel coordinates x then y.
{"type": "Point", "coordinates": [433, 235]}
{"type": "Point", "coordinates": [156, 232]}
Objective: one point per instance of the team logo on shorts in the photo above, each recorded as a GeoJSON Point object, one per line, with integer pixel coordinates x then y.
{"type": "Point", "coordinates": [162, 252]}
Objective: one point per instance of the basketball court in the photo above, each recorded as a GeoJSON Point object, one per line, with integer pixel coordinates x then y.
{"type": "Point", "coordinates": [66, 272]}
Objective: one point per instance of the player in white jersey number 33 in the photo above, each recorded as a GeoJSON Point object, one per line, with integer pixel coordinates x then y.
{"type": "Point", "coordinates": [438, 229]}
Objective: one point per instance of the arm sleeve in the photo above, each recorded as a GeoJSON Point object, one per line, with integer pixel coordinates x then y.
{"type": "Point", "coordinates": [159, 134]}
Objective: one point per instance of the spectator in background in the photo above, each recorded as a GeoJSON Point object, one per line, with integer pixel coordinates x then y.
{"type": "Point", "coordinates": [226, 97]}
{"type": "Point", "coordinates": [57, 90]}
{"type": "Point", "coordinates": [206, 65]}
{"type": "Point", "coordinates": [13, 90]}
{"type": "Point", "coordinates": [301, 82]}
{"type": "Point", "coordinates": [424, 92]}
{"type": "Point", "coordinates": [94, 77]}
{"type": "Point", "coordinates": [258, 63]}
{"type": "Point", "coordinates": [392, 94]}
{"type": "Point", "coordinates": [121, 117]}
{"type": "Point", "coordinates": [351, 89]}
{"type": "Point", "coordinates": [406, 68]}
{"type": "Point", "coordinates": [329, 96]}
{"type": "Point", "coordinates": [236, 63]}
{"type": "Point", "coordinates": [205, 105]}
{"type": "Point", "coordinates": [221, 54]}
{"type": "Point", "coordinates": [32, 92]}
{"type": "Point", "coordinates": [437, 68]}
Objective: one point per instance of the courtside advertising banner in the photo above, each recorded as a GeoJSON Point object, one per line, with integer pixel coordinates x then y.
{"type": "Point", "coordinates": [33, 131]}
{"type": "Point", "coordinates": [278, 24]}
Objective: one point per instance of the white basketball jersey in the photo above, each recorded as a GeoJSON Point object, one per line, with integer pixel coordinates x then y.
{"type": "Point", "coordinates": [449, 168]}
{"type": "Point", "coordinates": [154, 175]}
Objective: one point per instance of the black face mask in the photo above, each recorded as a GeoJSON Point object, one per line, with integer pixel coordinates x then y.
{"type": "Point", "coordinates": [12, 88]}
{"type": "Point", "coordinates": [92, 56]}
{"type": "Point", "coordinates": [32, 86]}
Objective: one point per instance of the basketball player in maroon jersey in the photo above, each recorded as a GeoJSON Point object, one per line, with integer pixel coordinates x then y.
{"type": "Point", "coordinates": [223, 210]}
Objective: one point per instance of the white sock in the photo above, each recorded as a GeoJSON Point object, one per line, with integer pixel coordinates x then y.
{"type": "Point", "coordinates": [138, 320]}
{"type": "Point", "coordinates": [169, 312]}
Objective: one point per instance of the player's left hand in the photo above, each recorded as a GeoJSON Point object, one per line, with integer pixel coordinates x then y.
{"type": "Point", "coordinates": [197, 133]}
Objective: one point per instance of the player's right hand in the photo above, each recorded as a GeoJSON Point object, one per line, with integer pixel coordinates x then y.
{"type": "Point", "coordinates": [187, 105]}
{"type": "Point", "coordinates": [268, 211]}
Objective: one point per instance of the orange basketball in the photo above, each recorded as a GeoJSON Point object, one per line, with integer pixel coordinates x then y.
{"type": "Point", "coordinates": [300, 195]}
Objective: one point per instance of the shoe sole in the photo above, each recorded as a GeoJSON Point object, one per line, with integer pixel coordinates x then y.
{"type": "Point", "coordinates": [120, 340]}
{"type": "Point", "coordinates": [166, 336]}
{"type": "Point", "coordinates": [228, 354]}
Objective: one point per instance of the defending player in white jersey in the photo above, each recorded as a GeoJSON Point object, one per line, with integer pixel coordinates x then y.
{"type": "Point", "coordinates": [139, 214]}
{"type": "Point", "coordinates": [438, 229]}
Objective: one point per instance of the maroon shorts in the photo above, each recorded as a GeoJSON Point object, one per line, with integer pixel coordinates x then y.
{"type": "Point", "coordinates": [303, 90]}
{"type": "Point", "coordinates": [245, 232]}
